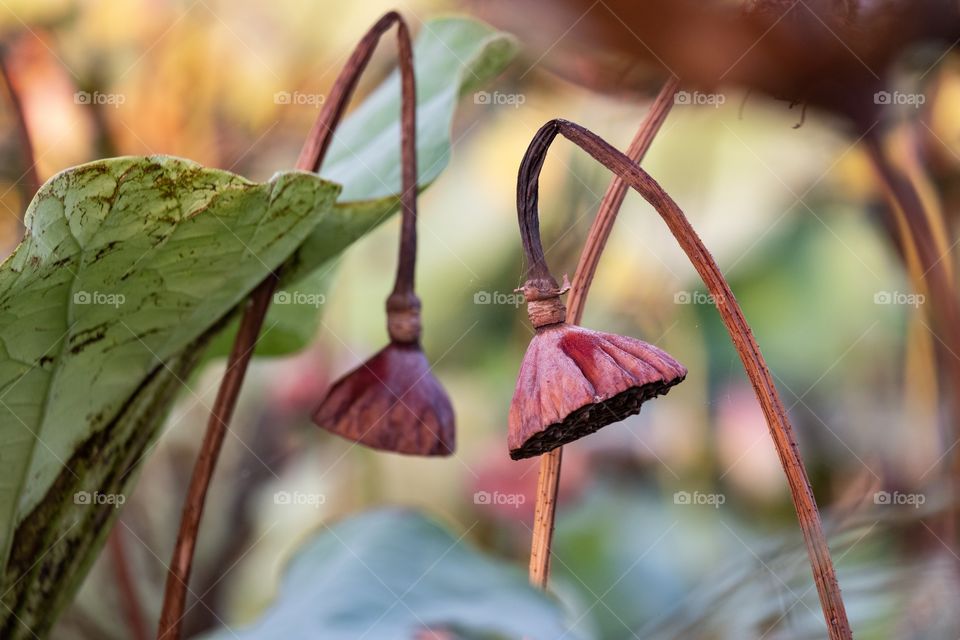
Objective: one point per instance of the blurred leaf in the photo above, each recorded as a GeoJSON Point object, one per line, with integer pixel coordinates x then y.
{"type": "Point", "coordinates": [292, 321]}
{"type": "Point", "coordinates": [392, 573]}
{"type": "Point", "coordinates": [632, 555]}
{"type": "Point", "coordinates": [94, 381]}
{"type": "Point", "coordinates": [452, 57]}
{"type": "Point", "coordinates": [126, 262]}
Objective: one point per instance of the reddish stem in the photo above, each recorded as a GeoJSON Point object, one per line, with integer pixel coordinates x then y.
{"type": "Point", "coordinates": [311, 157]}
{"type": "Point", "coordinates": [548, 482]}
{"type": "Point", "coordinates": [740, 333]}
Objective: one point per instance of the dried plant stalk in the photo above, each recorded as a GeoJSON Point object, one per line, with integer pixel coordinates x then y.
{"type": "Point", "coordinates": [548, 482]}
{"type": "Point", "coordinates": [392, 401]}
{"type": "Point", "coordinates": [311, 157]}
{"type": "Point", "coordinates": [936, 278]}
{"type": "Point", "coordinates": [736, 324]}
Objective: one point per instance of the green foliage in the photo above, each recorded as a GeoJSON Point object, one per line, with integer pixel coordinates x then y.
{"type": "Point", "coordinates": [131, 267]}
{"type": "Point", "coordinates": [126, 263]}
{"type": "Point", "coordinates": [390, 573]}
{"type": "Point", "coordinates": [453, 56]}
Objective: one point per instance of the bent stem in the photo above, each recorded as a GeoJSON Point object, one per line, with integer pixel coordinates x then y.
{"type": "Point", "coordinates": [311, 157]}
{"type": "Point", "coordinates": [548, 482]}
{"type": "Point", "coordinates": [736, 324]}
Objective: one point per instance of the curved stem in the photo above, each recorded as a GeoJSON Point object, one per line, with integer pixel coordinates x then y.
{"type": "Point", "coordinates": [548, 482]}
{"type": "Point", "coordinates": [736, 324]}
{"type": "Point", "coordinates": [407, 260]}
{"type": "Point", "coordinates": [612, 199]}
{"type": "Point", "coordinates": [311, 157]}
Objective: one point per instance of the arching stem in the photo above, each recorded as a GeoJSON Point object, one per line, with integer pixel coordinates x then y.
{"type": "Point", "coordinates": [311, 157]}
{"type": "Point", "coordinates": [733, 319]}
{"type": "Point", "coordinates": [548, 482]}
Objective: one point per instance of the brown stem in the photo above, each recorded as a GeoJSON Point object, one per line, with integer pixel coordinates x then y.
{"type": "Point", "coordinates": [126, 586]}
{"type": "Point", "coordinates": [612, 199]}
{"type": "Point", "coordinates": [408, 162]}
{"type": "Point", "coordinates": [740, 333]}
{"type": "Point", "coordinates": [935, 278]}
{"type": "Point", "coordinates": [548, 482]}
{"type": "Point", "coordinates": [311, 157]}
{"type": "Point", "coordinates": [29, 183]}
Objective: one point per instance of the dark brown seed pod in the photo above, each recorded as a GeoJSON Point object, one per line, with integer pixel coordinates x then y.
{"type": "Point", "coordinates": [392, 401]}
{"type": "Point", "coordinates": [573, 381]}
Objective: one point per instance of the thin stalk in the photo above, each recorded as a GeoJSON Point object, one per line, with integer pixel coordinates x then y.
{"type": "Point", "coordinates": [29, 182]}
{"type": "Point", "coordinates": [736, 324]}
{"type": "Point", "coordinates": [936, 279]}
{"type": "Point", "coordinates": [548, 482]}
{"type": "Point", "coordinates": [126, 585]}
{"type": "Point", "coordinates": [311, 157]}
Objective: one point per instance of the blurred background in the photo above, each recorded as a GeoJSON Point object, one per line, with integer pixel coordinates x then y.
{"type": "Point", "coordinates": [676, 522]}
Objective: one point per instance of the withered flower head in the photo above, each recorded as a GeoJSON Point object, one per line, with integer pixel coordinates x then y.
{"type": "Point", "coordinates": [573, 381]}
{"type": "Point", "coordinates": [392, 401]}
